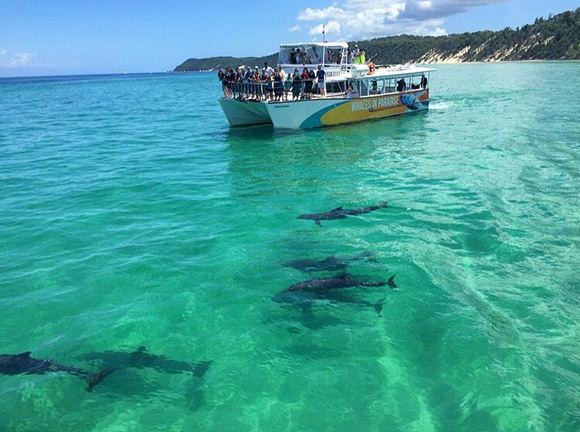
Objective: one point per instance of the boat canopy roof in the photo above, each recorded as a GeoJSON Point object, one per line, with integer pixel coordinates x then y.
{"type": "Point", "coordinates": [399, 71]}
{"type": "Point", "coordinates": [319, 44]}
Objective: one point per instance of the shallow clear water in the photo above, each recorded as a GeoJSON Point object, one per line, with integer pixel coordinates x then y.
{"type": "Point", "coordinates": [130, 215]}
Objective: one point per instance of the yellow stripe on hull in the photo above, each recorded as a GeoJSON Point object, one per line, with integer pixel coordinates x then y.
{"type": "Point", "coordinates": [374, 107]}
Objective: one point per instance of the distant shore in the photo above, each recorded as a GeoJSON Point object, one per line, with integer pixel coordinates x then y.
{"type": "Point", "coordinates": [434, 63]}
{"type": "Point", "coordinates": [554, 39]}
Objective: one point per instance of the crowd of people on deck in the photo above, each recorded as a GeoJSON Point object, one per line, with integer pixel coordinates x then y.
{"type": "Point", "coordinates": [275, 84]}
{"type": "Point", "coordinates": [272, 83]}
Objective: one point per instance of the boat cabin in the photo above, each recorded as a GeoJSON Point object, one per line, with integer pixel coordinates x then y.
{"type": "Point", "coordinates": [384, 81]}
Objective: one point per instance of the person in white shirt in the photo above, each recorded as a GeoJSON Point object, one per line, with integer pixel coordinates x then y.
{"type": "Point", "coordinates": [267, 70]}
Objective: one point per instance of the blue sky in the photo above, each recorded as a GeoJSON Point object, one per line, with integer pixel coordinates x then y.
{"type": "Point", "coordinates": [47, 37]}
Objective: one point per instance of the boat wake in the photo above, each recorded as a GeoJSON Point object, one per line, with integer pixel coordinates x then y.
{"type": "Point", "coordinates": [440, 105]}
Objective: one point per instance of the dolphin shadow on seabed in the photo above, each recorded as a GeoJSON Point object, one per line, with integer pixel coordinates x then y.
{"type": "Point", "coordinates": [140, 359]}
{"type": "Point", "coordinates": [330, 263]}
{"type": "Point", "coordinates": [296, 317]}
{"type": "Point", "coordinates": [131, 361]}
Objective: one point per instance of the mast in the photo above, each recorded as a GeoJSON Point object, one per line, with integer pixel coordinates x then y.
{"type": "Point", "coordinates": [323, 42]}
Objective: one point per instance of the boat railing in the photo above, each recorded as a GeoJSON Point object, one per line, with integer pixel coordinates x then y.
{"type": "Point", "coordinates": [332, 73]}
{"type": "Point", "coordinates": [271, 90]}
{"type": "Point", "coordinates": [305, 89]}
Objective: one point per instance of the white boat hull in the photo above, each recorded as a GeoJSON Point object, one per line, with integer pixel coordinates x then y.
{"type": "Point", "coordinates": [313, 113]}
{"type": "Point", "coordinates": [244, 113]}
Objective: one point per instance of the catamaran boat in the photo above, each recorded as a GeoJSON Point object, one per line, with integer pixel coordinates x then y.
{"type": "Point", "coordinates": [356, 90]}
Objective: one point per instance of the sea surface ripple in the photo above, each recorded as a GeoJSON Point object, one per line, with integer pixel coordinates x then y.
{"type": "Point", "coordinates": [131, 215]}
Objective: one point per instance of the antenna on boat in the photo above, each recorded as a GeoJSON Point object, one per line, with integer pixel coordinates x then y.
{"type": "Point", "coordinates": [323, 33]}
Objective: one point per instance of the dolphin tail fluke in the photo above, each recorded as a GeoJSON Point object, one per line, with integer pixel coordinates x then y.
{"type": "Point", "coordinates": [201, 368]}
{"type": "Point", "coordinates": [391, 282]}
{"type": "Point", "coordinates": [97, 378]}
{"type": "Point", "coordinates": [379, 307]}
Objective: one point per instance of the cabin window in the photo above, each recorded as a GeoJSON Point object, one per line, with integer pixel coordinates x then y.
{"type": "Point", "coordinates": [377, 86]}
{"type": "Point", "coordinates": [336, 87]}
{"type": "Point", "coordinates": [415, 82]}
{"type": "Point", "coordinates": [364, 88]}
{"type": "Point", "coordinates": [300, 55]}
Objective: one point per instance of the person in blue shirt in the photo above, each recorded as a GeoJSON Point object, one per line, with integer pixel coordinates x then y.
{"type": "Point", "coordinates": [321, 85]}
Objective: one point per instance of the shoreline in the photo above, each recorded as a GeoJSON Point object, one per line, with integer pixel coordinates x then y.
{"type": "Point", "coordinates": [432, 63]}
{"type": "Point", "coordinates": [127, 74]}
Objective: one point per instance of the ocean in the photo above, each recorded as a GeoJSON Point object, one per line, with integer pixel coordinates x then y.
{"type": "Point", "coordinates": [132, 216]}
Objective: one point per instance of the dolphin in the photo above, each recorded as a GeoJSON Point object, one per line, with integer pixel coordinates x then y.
{"type": "Point", "coordinates": [306, 292]}
{"type": "Point", "coordinates": [341, 213]}
{"type": "Point", "coordinates": [140, 359]}
{"type": "Point", "coordinates": [23, 364]}
{"type": "Point", "coordinates": [305, 300]}
{"type": "Point", "coordinates": [326, 264]}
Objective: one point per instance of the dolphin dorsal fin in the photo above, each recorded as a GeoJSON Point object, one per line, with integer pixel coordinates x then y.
{"type": "Point", "coordinates": [336, 209]}
{"type": "Point", "coordinates": [141, 348]}
{"type": "Point", "coordinates": [24, 354]}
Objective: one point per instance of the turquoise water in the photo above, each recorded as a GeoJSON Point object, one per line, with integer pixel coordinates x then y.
{"type": "Point", "coordinates": [130, 215]}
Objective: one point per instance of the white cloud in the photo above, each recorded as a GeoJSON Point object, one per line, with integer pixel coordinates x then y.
{"type": "Point", "coordinates": [438, 32]}
{"type": "Point", "coordinates": [353, 19]}
{"type": "Point", "coordinates": [21, 59]}
{"type": "Point", "coordinates": [310, 14]}
{"type": "Point", "coordinates": [295, 28]}
{"type": "Point", "coordinates": [331, 27]}
{"type": "Point", "coordinates": [17, 60]}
